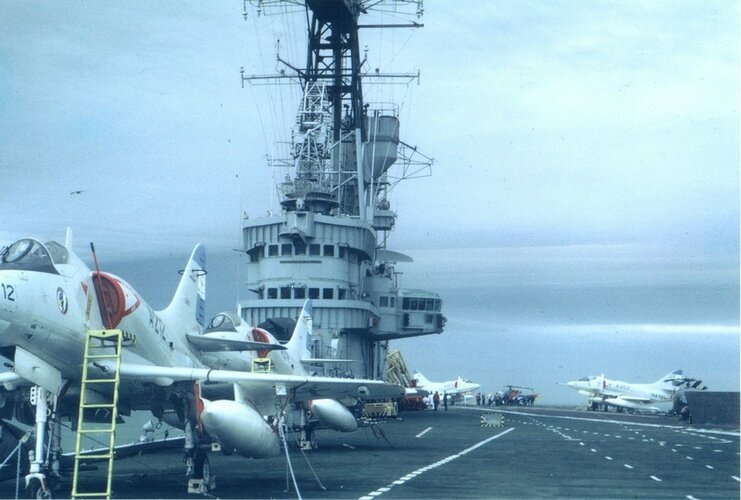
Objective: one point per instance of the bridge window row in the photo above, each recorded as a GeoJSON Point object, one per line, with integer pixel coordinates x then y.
{"type": "Point", "coordinates": [384, 301]}
{"type": "Point", "coordinates": [296, 248]}
{"type": "Point", "coordinates": [421, 304]}
{"type": "Point", "coordinates": [302, 293]}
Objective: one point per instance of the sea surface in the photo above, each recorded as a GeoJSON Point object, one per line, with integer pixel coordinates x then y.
{"type": "Point", "coordinates": [538, 317]}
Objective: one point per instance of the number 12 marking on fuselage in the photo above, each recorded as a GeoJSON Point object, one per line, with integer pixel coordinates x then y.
{"type": "Point", "coordinates": [8, 291]}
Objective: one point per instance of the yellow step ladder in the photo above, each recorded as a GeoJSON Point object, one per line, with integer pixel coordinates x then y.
{"type": "Point", "coordinates": [98, 411]}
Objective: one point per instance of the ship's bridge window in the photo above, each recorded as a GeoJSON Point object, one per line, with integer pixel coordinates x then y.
{"type": "Point", "coordinates": [313, 293]}
{"type": "Point", "coordinates": [222, 322]}
{"type": "Point", "coordinates": [329, 250]}
{"type": "Point", "coordinates": [300, 248]}
{"type": "Point", "coordinates": [272, 293]}
{"type": "Point", "coordinates": [383, 301]}
{"type": "Point", "coordinates": [328, 293]}
{"type": "Point", "coordinates": [286, 249]}
{"type": "Point", "coordinates": [30, 255]}
{"type": "Point", "coordinates": [299, 293]}
{"type": "Point", "coordinates": [315, 249]}
{"type": "Point", "coordinates": [273, 250]}
{"type": "Point", "coordinates": [256, 253]}
{"type": "Point", "coordinates": [342, 293]}
{"type": "Point", "coordinates": [285, 292]}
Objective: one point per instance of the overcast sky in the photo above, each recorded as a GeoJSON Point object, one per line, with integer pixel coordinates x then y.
{"type": "Point", "coordinates": [578, 146]}
{"type": "Point", "coordinates": [551, 123]}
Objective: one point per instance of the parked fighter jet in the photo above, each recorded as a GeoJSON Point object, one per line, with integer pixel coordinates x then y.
{"type": "Point", "coordinates": [49, 299]}
{"type": "Point", "coordinates": [228, 333]}
{"type": "Point", "coordinates": [603, 391]}
{"type": "Point", "coordinates": [458, 390]}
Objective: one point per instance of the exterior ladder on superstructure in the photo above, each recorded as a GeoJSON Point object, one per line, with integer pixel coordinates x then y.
{"type": "Point", "coordinates": [397, 371]}
{"type": "Point", "coordinates": [96, 419]}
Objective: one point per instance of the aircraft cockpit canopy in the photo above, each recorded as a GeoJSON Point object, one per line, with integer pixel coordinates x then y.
{"type": "Point", "coordinates": [31, 255]}
{"type": "Point", "coordinates": [223, 322]}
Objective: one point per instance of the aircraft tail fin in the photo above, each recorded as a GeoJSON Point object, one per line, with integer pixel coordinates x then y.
{"type": "Point", "coordinates": [670, 380]}
{"type": "Point", "coordinates": [298, 345]}
{"type": "Point", "coordinates": [421, 380]}
{"type": "Point", "coordinates": [189, 302]}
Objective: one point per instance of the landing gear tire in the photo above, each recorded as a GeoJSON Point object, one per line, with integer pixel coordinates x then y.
{"type": "Point", "coordinates": [201, 467]}
{"type": "Point", "coordinates": [35, 489]}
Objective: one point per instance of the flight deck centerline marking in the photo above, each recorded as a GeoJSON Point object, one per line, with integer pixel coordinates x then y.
{"type": "Point", "coordinates": [380, 491]}
{"type": "Point", "coordinates": [737, 478]}
{"type": "Point", "coordinates": [424, 432]}
{"type": "Point", "coordinates": [656, 479]}
{"type": "Point", "coordinates": [609, 421]}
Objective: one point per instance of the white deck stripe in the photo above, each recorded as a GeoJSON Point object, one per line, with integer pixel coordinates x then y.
{"type": "Point", "coordinates": [656, 479]}
{"type": "Point", "coordinates": [424, 432]}
{"type": "Point", "coordinates": [444, 461]}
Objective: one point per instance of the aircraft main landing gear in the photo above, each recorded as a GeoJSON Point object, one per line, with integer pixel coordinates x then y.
{"type": "Point", "coordinates": [37, 481]}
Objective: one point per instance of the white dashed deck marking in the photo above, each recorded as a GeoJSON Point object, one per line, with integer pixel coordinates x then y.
{"type": "Point", "coordinates": [403, 479]}
{"type": "Point", "coordinates": [424, 432]}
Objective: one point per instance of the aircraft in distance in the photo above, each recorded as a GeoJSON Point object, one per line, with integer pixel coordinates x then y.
{"type": "Point", "coordinates": [458, 390]}
{"type": "Point", "coordinates": [626, 395]}
{"type": "Point", "coordinates": [227, 333]}
{"type": "Point", "coordinates": [49, 299]}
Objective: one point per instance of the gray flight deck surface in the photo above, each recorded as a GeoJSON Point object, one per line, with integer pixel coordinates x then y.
{"type": "Point", "coordinates": [538, 453]}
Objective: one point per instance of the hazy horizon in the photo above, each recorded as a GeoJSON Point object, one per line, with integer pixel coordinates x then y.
{"type": "Point", "coordinates": [529, 328]}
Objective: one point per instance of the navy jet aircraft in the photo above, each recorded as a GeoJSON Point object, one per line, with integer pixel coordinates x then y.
{"type": "Point", "coordinates": [627, 395]}
{"type": "Point", "coordinates": [49, 299]}
{"type": "Point", "coordinates": [227, 333]}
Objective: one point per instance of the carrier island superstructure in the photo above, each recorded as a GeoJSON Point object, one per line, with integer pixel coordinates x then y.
{"type": "Point", "coordinates": [328, 243]}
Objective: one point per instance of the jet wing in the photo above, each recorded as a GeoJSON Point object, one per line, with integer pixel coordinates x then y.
{"type": "Point", "coordinates": [300, 388]}
{"type": "Point", "coordinates": [310, 361]}
{"type": "Point", "coordinates": [635, 399]}
{"type": "Point", "coordinates": [607, 393]}
{"type": "Point", "coordinates": [214, 344]}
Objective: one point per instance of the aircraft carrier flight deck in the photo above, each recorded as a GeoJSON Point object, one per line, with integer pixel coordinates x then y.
{"type": "Point", "coordinates": [533, 453]}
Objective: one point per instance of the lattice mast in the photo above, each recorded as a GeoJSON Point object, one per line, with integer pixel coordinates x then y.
{"type": "Point", "coordinates": [341, 150]}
